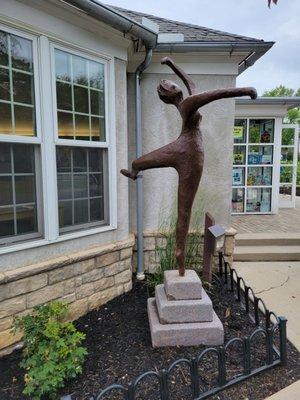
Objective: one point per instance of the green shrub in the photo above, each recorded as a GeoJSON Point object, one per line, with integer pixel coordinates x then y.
{"type": "Point", "coordinates": [52, 352]}
{"type": "Point", "coordinates": [165, 252]}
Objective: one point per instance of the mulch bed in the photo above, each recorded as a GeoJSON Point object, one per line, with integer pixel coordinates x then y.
{"type": "Point", "coordinates": [119, 346]}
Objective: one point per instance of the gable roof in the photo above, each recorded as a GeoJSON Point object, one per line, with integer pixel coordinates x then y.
{"type": "Point", "coordinates": [192, 33]}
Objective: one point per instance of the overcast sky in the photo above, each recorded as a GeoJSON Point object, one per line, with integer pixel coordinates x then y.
{"type": "Point", "coordinates": [281, 23]}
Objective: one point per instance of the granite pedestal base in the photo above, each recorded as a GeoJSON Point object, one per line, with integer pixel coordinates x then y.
{"type": "Point", "coordinates": [181, 314]}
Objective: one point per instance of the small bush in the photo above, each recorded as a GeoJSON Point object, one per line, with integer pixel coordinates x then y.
{"type": "Point", "coordinates": [52, 352]}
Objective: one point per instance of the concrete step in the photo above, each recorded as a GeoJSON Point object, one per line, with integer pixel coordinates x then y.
{"type": "Point", "coordinates": [267, 253]}
{"type": "Point", "coordinates": [268, 239]}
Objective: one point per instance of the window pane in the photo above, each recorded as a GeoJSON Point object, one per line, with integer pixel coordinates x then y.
{"type": "Point", "coordinates": [79, 160]}
{"type": "Point", "coordinates": [65, 213]}
{"type": "Point", "coordinates": [3, 48]}
{"type": "Point", "coordinates": [259, 200]}
{"type": "Point", "coordinates": [95, 160]}
{"type": "Point", "coordinates": [6, 191]}
{"type": "Point", "coordinates": [96, 209]}
{"type": "Point", "coordinates": [6, 221]}
{"type": "Point", "coordinates": [64, 96]}
{"type": "Point", "coordinates": [240, 131]}
{"type": "Point", "coordinates": [96, 75]}
{"type": "Point", "coordinates": [23, 159]}
{"type": "Point", "coordinates": [261, 131]}
{"type": "Point", "coordinates": [62, 65]}
{"type": "Point", "coordinates": [4, 84]}
{"type": "Point", "coordinates": [238, 176]}
{"type": "Point", "coordinates": [82, 127]}
{"type": "Point", "coordinates": [80, 185]}
{"type": "Point", "coordinates": [260, 155]}
{"type": "Point", "coordinates": [97, 102]}
{"type": "Point", "coordinates": [65, 125]}
{"type": "Point", "coordinates": [64, 184]}
{"type": "Point", "coordinates": [287, 137]}
{"type": "Point", "coordinates": [80, 70]}
{"type": "Point", "coordinates": [239, 155]}
{"type": "Point", "coordinates": [23, 88]}
{"type": "Point", "coordinates": [63, 157]}
{"type": "Point", "coordinates": [5, 159]}
{"type": "Point", "coordinates": [24, 121]}
{"type": "Point", "coordinates": [81, 99]}
{"type": "Point", "coordinates": [26, 219]}
{"type": "Point", "coordinates": [286, 174]}
{"type": "Point", "coordinates": [21, 53]}
{"type": "Point", "coordinates": [80, 211]}
{"type": "Point", "coordinates": [96, 185]}
{"type": "Point", "coordinates": [286, 193]}
{"type": "Point", "coordinates": [259, 176]}
{"type": "Point", "coordinates": [5, 118]}
{"type": "Point", "coordinates": [237, 204]}
{"type": "Point", "coordinates": [287, 155]}
{"type": "Point", "coordinates": [25, 190]}
{"type": "Point", "coordinates": [98, 129]}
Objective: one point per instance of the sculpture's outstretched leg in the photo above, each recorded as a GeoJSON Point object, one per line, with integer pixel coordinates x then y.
{"type": "Point", "coordinates": [160, 158]}
{"type": "Point", "coordinates": [187, 189]}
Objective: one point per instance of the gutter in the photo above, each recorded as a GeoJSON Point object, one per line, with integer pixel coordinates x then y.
{"type": "Point", "coordinates": [116, 20]}
{"type": "Point", "coordinates": [291, 102]}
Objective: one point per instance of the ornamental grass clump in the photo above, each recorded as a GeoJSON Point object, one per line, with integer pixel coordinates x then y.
{"type": "Point", "coordinates": [52, 350]}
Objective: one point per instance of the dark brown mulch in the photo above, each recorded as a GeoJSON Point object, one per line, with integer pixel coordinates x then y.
{"type": "Point", "coordinates": [118, 342]}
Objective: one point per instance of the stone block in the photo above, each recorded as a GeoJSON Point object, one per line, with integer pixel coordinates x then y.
{"type": "Point", "coordinates": [84, 290]}
{"type": "Point", "coordinates": [81, 267]}
{"type": "Point", "coordinates": [187, 287]}
{"type": "Point", "coordinates": [118, 267]}
{"type": "Point", "coordinates": [103, 283]}
{"type": "Point", "coordinates": [127, 286]}
{"type": "Point", "coordinates": [92, 276]}
{"type": "Point", "coordinates": [123, 277]}
{"type": "Point", "coordinates": [23, 286]}
{"type": "Point", "coordinates": [61, 274]}
{"type": "Point", "coordinates": [12, 306]}
{"type": "Point", "coordinates": [5, 323]}
{"type": "Point", "coordinates": [7, 338]}
{"type": "Point", "coordinates": [126, 253]}
{"type": "Point", "coordinates": [97, 299]}
{"type": "Point", "coordinates": [149, 243]}
{"type": "Point", "coordinates": [180, 311]}
{"type": "Point", "coordinates": [77, 309]}
{"type": "Point", "coordinates": [187, 334]}
{"type": "Point", "coordinates": [49, 293]}
{"type": "Point", "coordinates": [107, 259]}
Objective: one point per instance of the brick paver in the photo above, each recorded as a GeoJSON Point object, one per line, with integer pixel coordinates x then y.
{"type": "Point", "coordinates": [288, 220]}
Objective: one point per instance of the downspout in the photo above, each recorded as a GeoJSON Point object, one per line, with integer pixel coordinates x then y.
{"type": "Point", "coordinates": [139, 151]}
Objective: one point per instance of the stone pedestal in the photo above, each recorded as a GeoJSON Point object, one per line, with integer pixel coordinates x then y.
{"type": "Point", "coordinates": [181, 314]}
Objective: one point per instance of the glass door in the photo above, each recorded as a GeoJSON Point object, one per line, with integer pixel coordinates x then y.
{"type": "Point", "coordinates": [288, 165]}
{"type": "Point", "coordinates": [252, 175]}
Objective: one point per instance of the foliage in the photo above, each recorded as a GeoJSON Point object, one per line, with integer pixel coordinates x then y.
{"type": "Point", "coordinates": [293, 115]}
{"type": "Point", "coordinates": [165, 251]}
{"type": "Point", "coordinates": [52, 352]}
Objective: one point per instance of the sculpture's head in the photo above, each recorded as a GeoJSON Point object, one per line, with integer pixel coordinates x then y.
{"type": "Point", "coordinates": [169, 92]}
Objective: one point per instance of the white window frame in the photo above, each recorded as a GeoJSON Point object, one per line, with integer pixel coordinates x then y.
{"type": "Point", "coordinates": [32, 140]}
{"type": "Point", "coordinates": [47, 138]}
{"type": "Point", "coordinates": [275, 180]}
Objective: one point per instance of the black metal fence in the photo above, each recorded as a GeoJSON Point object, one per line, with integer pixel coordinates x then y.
{"type": "Point", "coordinates": [266, 322]}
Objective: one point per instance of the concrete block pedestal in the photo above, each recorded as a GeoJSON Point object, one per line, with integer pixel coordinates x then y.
{"type": "Point", "coordinates": [181, 314]}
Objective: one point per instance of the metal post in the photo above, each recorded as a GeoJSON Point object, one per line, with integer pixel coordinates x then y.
{"type": "Point", "coordinates": [247, 299]}
{"type": "Point", "coordinates": [226, 271]}
{"type": "Point", "coordinates": [231, 281]}
{"type": "Point", "coordinates": [247, 356]}
{"type": "Point", "coordinates": [222, 366]}
{"type": "Point", "coordinates": [164, 389]}
{"type": "Point", "coordinates": [256, 315]}
{"type": "Point", "coordinates": [220, 263]}
{"type": "Point", "coordinates": [238, 283]}
{"type": "Point", "coordinates": [195, 378]}
{"type": "Point", "coordinates": [130, 392]}
{"type": "Point", "coordinates": [269, 344]}
{"type": "Point", "coordinates": [282, 332]}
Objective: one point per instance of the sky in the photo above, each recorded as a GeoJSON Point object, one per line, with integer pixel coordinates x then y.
{"type": "Point", "coordinates": [281, 24]}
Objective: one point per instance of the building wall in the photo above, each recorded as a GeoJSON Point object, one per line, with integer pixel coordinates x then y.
{"type": "Point", "coordinates": [161, 124]}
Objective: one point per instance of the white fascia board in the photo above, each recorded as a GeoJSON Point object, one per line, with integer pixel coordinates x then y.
{"type": "Point", "coordinates": [54, 20]}
{"type": "Point", "coordinates": [170, 38]}
{"type": "Point", "coordinates": [248, 110]}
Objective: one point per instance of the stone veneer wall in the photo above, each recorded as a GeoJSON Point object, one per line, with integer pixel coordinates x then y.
{"type": "Point", "coordinates": [85, 280]}
{"type": "Point", "coordinates": [155, 239]}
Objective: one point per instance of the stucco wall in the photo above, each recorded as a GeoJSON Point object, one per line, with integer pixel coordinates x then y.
{"type": "Point", "coordinates": [46, 252]}
{"type": "Point", "coordinates": [161, 124]}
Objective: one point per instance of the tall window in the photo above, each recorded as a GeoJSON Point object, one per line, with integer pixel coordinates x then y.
{"type": "Point", "coordinates": [18, 178]}
{"type": "Point", "coordinates": [81, 170]}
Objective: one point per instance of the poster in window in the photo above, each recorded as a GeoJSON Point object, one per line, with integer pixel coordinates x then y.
{"type": "Point", "coordinates": [238, 133]}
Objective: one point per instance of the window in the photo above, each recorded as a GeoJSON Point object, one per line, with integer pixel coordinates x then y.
{"type": "Point", "coordinates": [19, 202]}
{"type": "Point", "coordinates": [81, 170]}
{"type": "Point", "coordinates": [252, 174]}
{"type": "Point", "coordinates": [59, 140]}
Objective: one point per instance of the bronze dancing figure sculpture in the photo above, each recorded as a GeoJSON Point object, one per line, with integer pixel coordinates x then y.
{"type": "Point", "coordinates": [186, 153]}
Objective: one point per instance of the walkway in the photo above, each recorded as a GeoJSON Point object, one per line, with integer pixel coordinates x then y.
{"type": "Point", "coordinates": [288, 220]}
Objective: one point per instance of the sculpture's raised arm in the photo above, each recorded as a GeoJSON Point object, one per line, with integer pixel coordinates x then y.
{"type": "Point", "coordinates": [190, 85]}
{"type": "Point", "coordinates": [192, 103]}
